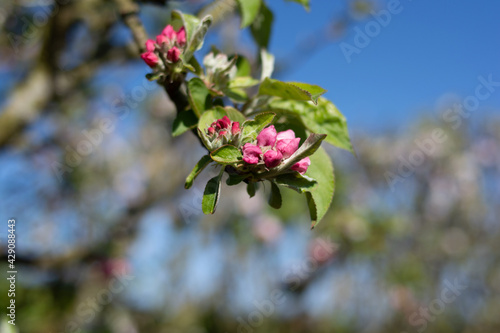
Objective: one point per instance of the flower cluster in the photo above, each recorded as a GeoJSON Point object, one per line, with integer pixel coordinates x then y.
{"type": "Point", "coordinates": [168, 45]}
{"type": "Point", "coordinates": [223, 131]}
{"type": "Point", "coordinates": [273, 148]}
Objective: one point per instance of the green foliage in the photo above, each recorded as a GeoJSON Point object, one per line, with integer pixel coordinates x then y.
{"type": "Point", "coordinates": [261, 26]}
{"type": "Point", "coordinates": [211, 194]}
{"type": "Point", "coordinates": [196, 30]}
{"type": "Point", "coordinates": [251, 189]}
{"type": "Point", "coordinates": [198, 168]}
{"type": "Point", "coordinates": [185, 121]}
{"type": "Point", "coordinates": [199, 96]}
{"type": "Point", "coordinates": [304, 3]}
{"type": "Point", "coordinates": [275, 199]}
{"type": "Point", "coordinates": [297, 182]}
{"type": "Point", "coordinates": [267, 60]}
{"type": "Point", "coordinates": [291, 90]}
{"type": "Point", "coordinates": [249, 10]}
{"type": "Point", "coordinates": [235, 115]}
{"type": "Point", "coordinates": [320, 198]}
{"type": "Point", "coordinates": [227, 154]}
{"type": "Point", "coordinates": [243, 66]}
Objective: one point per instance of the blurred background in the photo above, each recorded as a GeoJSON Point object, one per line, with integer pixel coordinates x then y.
{"type": "Point", "coordinates": [112, 242]}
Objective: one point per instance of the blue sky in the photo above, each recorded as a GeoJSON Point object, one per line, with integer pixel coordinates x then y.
{"type": "Point", "coordinates": [429, 49]}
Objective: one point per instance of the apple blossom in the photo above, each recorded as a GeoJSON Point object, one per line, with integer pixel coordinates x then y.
{"type": "Point", "coordinates": [181, 36]}
{"type": "Point", "coordinates": [161, 39]}
{"type": "Point", "coordinates": [169, 32]}
{"type": "Point", "coordinates": [272, 158]}
{"type": "Point", "coordinates": [302, 165]}
{"type": "Point", "coordinates": [173, 54]}
{"type": "Point", "coordinates": [235, 128]}
{"type": "Point", "coordinates": [150, 58]}
{"type": "Point", "coordinates": [287, 146]}
{"type": "Point", "coordinates": [150, 45]}
{"type": "Point", "coordinates": [251, 153]}
{"type": "Point", "coordinates": [267, 137]}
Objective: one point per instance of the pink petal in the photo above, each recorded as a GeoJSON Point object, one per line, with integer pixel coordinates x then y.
{"type": "Point", "coordinates": [181, 37]}
{"type": "Point", "coordinates": [161, 39]}
{"type": "Point", "coordinates": [267, 137]}
{"type": "Point", "coordinates": [251, 153]}
{"type": "Point", "coordinates": [173, 54]}
{"type": "Point", "coordinates": [169, 32]}
{"type": "Point", "coordinates": [288, 134]}
{"type": "Point", "coordinates": [287, 146]}
{"type": "Point", "coordinates": [235, 128]}
{"type": "Point", "coordinates": [272, 158]}
{"type": "Point", "coordinates": [302, 165]}
{"type": "Point", "coordinates": [150, 58]}
{"type": "Point", "coordinates": [224, 122]}
{"type": "Point", "coordinates": [150, 45]}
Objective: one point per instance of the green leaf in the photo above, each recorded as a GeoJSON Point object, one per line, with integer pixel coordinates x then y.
{"type": "Point", "coordinates": [249, 10]}
{"type": "Point", "coordinates": [196, 30]}
{"type": "Point", "coordinates": [251, 188]}
{"type": "Point", "coordinates": [202, 163]}
{"type": "Point", "coordinates": [291, 90]}
{"type": "Point", "coordinates": [275, 200]}
{"type": "Point", "coordinates": [244, 68]}
{"type": "Point", "coordinates": [267, 60]}
{"type": "Point", "coordinates": [324, 118]}
{"type": "Point", "coordinates": [154, 76]}
{"type": "Point", "coordinates": [235, 115]}
{"type": "Point", "coordinates": [199, 95]}
{"type": "Point", "coordinates": [261, 26]}
{"type": "Point", "coordinates": [304, 3]}
{"type": "Point", "coordinates": [312, 89]}
{"type": "Point", "coordinates": [236, 95]}
{"type": "Point", "coordinates": [198, 70]}
{"type": "Point", "coordinates": [251, 128]}
{"type": "Point", "coordinates": [184, 121]}
{"type": "Point", "coordinates": [189, 22]}
{"type": "Point", "coordinates": [211, 194]}
{"type": "Point", "coordinates": [236, 179]}
{"type": "Point", "coordinates": [320, 198]}
{"type": "Point", "coordinates": [227, 154]}
{"type": "Point", "coordinates": [296, 181]}
{"type": "Point", "coordinates": [243, 82]}
{"type": "Point", "coordinates": [308, 148]}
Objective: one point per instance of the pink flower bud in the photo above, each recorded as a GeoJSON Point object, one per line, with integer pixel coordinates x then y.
{"type": "Point", "coordinates": [267, 137]}
{"type": "Point", "coordinates": [287, 146]}
{"type": "Point", "coordinates": [169, 32]}
{"type": "Point", "coordinates": [235, 128]}
{"type": "Point", "coordinates": [288, 134]}
{"type": "Point", "coordinates": [224, 122]}
{"type": "Point", "coordinates": [251, 153]}
{"type": "Point", "coordinates": [211, 131]}
{"type": "Point", "coordinates": [221, 133]}
{"type": "Point", "coordinates": [173, 54]}
{"type": "Point", "coordinates": [150, 58]}
{"type": "Point", "coordinates": [161, 39]}
{"type": "Point", "coordinates": [181, 37]}
{"type": "Point", "coordinates": [150, 45]}
{"type": "Point", "coordinates": [272, 158]}
{"type": "Point", "coordinates": [302, 165]}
